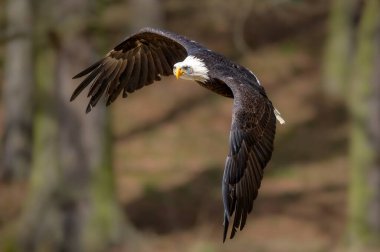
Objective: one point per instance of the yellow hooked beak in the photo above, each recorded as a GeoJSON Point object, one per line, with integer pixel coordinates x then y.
{"type": "Point", "coordinates": [178, 72]}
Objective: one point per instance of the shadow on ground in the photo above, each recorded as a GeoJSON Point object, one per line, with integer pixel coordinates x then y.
{"type": "Point", "coordinates": [179, 208]}
{"type": "Point", "coordinates": [199, 201]}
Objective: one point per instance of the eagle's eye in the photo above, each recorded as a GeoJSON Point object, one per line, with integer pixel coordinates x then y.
{"type": "Point", "coordinates": [188, 69]}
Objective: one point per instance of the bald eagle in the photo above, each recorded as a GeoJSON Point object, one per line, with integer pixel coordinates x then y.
{"type": "Point", "coordinates": [150, 54]}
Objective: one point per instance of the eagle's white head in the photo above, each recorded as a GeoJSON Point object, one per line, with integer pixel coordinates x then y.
{"type": "Point", "coordinates": [192, 68]}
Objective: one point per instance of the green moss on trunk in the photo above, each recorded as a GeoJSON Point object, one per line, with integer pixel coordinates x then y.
{"type": "Point", "coordinates": [362, 153]}
{"type": "Point", "coordinates": [338, 50]}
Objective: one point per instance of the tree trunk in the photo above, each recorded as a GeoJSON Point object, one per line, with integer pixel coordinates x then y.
{"type": "Point", "coordinates": [374, 175]}
{"type": "Point", "coordinates": [91, 217]}
{"type": "Point", "coordinates": [17, 93]}
{"type": "Point", "coordinates": [339, 49]}
{"type": "Point", "coordinates": [45, 167]}
{"type": "Point", "coordinates": [364, 217]}
{"type": "Point", "coordinates": [72, 204]}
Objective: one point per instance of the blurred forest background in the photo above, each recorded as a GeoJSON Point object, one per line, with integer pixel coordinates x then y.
{"type": "Point", "coordinates": [145, 174]}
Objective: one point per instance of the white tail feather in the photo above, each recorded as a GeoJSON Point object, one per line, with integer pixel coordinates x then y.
{"type": "Point", "coordinates": [278, 116]}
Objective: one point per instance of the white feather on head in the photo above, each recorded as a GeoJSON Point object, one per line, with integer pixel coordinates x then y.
{"type": "Point", "coordinates": [200, 71]}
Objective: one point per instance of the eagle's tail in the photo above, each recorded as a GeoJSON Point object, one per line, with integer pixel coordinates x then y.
{"type": "Point", "coordinates": [278, 116]}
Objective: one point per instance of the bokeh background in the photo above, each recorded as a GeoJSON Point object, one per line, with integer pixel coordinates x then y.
{"type": "Point", "coordinates": [145, 173]}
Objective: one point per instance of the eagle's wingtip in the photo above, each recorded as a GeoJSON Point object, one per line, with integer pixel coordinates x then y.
{"type": "Point", "coordinates": [225, 226]}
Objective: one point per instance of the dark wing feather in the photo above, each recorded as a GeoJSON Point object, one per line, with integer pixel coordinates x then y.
{"type": "Point", "coordinates": [251, 145]}
{"type": "Point", "coordinates": [136, 62]}
{"type": "Point", "coordinates": [135, 77]}
{"type": "Point", "coordinates": [151, 68]}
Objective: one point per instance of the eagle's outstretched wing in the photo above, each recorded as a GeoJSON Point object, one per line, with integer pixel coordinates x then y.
{"type": "Point", "coordinates": [251, 145]}
{"type": "Point", "coordinates": [139, 60]}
